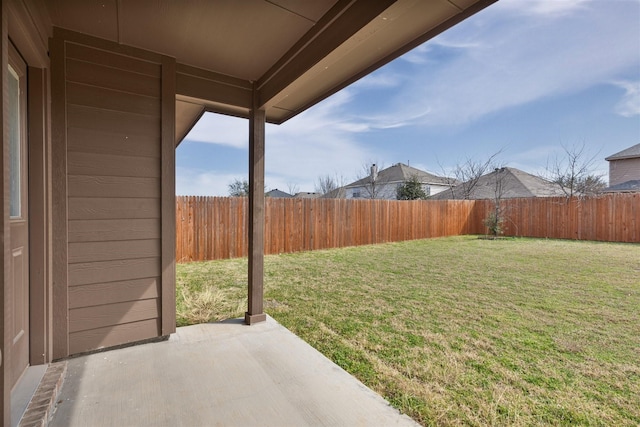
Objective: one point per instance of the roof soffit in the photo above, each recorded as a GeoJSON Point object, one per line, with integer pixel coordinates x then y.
{"type": "Point", "coordinates": [298, 52]}
{"type": "Point", "coordinates": [240, 39]}
{"type": "Point", "coordinates": [399, 28]}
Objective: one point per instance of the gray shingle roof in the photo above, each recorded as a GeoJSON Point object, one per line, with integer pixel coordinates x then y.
{"type": "Point", "coordinates": [629, 153]}
{"type": "Point", "coordinates": [338, 193]}
{"type": "Point", "coordinates": [515, 183]}
{"type": "Point", "coordinates": [400, 173]}
{"type": "Point", "coordinates": [278, 193]}
{"type": "Point", "coordinates": [627, 186]}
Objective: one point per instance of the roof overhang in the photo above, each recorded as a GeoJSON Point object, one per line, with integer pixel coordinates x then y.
{"type": "Point", "coordinates": [280, 55]}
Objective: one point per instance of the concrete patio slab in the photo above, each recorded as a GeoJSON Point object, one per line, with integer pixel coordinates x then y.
{"type": "Point", "coordinates": [218, 374]}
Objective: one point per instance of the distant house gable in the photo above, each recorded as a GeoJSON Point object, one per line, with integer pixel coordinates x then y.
{"type": "Point", "coordinates": [278, 193]}
{"type": "Point", "coordinates": [391, 178]}
{"type": "Point", "coordinates": [338, 193]}
{"type": "Point", "coordinates": [514, 183]}
{"type": "Point", "coordinates": [307, 195]}
{"type": "Point", "coordinates": [628, 153]}
{"type": "Point", "coordinates": [624, 170]}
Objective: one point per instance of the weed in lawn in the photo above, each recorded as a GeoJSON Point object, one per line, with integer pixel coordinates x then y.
{"type": "Point", "coordinates": [207, 292]}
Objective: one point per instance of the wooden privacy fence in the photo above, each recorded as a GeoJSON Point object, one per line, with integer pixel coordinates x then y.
{"type": "Point", "coordinates": [608, 218]}
{"type": "Point", "coordinates": [210, 228]}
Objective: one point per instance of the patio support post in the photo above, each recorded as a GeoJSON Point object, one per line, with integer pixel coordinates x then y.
{"type": "Point", "coordinates": [257, 119]}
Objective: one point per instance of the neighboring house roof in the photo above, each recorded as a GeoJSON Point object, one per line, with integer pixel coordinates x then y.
{"type": "Point", "coordinates": [338, 193]}
{"type": "Point", "coordinates": [277, 193]}
{"type": "Point", "coordinates": [628, 186]}
{"type": "Point", "coordinates": [514, 182]}
{"type": "Point", "coordinates": [629, 153]}
{"type": "Point", "coordinates": [307, 195]}
{"type": "Point", "coordinates": [401, 173]}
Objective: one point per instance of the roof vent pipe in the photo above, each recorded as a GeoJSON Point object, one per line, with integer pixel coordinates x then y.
{"type": "Point", "coordinates": [374, 172]}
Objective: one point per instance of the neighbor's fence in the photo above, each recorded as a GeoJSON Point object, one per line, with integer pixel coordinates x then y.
{"type": "Point", "coordinates": [216, 227]}
{"type": "Point", "coordinates": [210, 228]}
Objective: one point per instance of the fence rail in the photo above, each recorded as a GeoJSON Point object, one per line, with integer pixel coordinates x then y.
{"type": "Point", "coordinates": [210, 228]}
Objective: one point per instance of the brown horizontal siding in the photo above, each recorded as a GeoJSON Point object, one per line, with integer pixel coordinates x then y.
{"type": "Point", "coordinates": [112, 122]}
{"type": "Point", "coordinates": [114, 292]}
{"type": "Point", "coordinates": [113, 159]}
{"type": "Point", "coordinates": [86, 318]}
{"type": "Point", "coordinates": [112, 165]}
{"type": "Point", "coordinates": [623, 170]}
{"type": "Point", "coordinates": [112, 60]}
{"type": "Point", "coordinates": [113, 186]}
{"type": "Point", "coordinates": [215, 227]}
{"type": "Point", "coordinates": [113, 250]}
{"type": "Point", "coordinates": [112, 78]}
{"type": "Point", "coordinates": [113, 335]}
{"type": "Point", "coordinates": [107, 99]}
{"type": "Point", "coordinates": [117, 144]}
{"type": "Point", "coordinates": [113, 229]}
{"type": "Point", "coordinates": [113, 208]}
{"type": "Point", "coordinates": [110, 271]}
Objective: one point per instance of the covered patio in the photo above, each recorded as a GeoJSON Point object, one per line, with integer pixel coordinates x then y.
{"type": "Point", "coordinates": [218, 374]}
{"type": "Point", "coordinates": [96, 97]}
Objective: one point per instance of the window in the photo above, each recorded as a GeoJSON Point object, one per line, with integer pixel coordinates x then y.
{"type": "Point", "coordinates": [15, 145]}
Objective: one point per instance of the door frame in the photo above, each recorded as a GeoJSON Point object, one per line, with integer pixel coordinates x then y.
{"type": "Point", "coordinates": [29, 34]}
{"type": "Point", "coordinates": [19, 221]}
{"type": "Point", "coordinates": [40, 204]}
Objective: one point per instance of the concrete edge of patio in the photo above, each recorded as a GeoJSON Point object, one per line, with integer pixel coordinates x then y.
{"type": "Point", "coordinates": [219, 374]}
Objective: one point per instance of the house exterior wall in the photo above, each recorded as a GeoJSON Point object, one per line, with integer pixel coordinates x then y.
{"type": "Point", "coordinates": [435, 189]}
{"type": "Point", "coordinates": [623, 170]}
{"type": "Point", "coordinates": [118, 174]}
{"type": "Point", "coordinates": [389, 191]}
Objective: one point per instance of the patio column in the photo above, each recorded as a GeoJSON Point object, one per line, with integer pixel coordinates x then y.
{"type": "Point", "coordinates": [257, 118]}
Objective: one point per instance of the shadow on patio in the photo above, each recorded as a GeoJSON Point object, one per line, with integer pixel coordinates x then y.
{"type": "Point", "coordinates": [218, 374]}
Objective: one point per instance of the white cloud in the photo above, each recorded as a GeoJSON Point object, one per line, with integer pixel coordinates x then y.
{"type": "Point", "coordinates": [221, 129]}
{"type": "Point", "coordinates": [548, 8]}
{"type": "Point", "coordinates": [417, 55]}
{"type": "Point", "coordinates": [317, 142]}
{"type": "Point", "coordinates": [629, 105]}
{"type": "Point", "coordinates": [378, 79]}
{"type": "Point", "coordinates": [191, 182]}
{"type": "Point", "coordinates": [507, 58]}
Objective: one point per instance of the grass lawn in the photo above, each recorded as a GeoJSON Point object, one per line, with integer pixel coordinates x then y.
{"type": "Point", "coordinates": [459, 331]}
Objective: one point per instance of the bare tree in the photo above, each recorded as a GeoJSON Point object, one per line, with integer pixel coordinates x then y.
{"type": "Point", "coordinates": [293, 188]}
{"type": "Point", "coordinates": [326, 184]}
{"type": "Point", "coordinates": [373, 184]}
{"type": "Point", "coordinates": [466, 174]}
{"type": "Point", "coordinates": [498, 215]}
{"type": "Point", "coordinates": [574, 172]}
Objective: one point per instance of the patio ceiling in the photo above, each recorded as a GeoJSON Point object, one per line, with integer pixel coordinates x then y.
{"type": "Point", "coordinates": [295, 53]}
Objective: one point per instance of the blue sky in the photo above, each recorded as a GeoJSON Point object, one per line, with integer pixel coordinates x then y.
{"type": "Point", "coordinates": [523, 76]}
